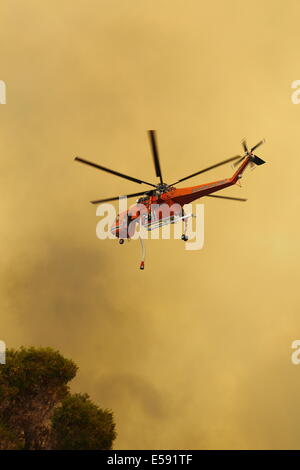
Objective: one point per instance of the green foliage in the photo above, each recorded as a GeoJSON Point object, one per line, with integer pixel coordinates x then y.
{"type": "Point", "coordinates": [28, 369]}
{"type": "Point", "coordinates": [37, 410]}
{"type": "Point", "coordinates": [32, 382]}
{"type": "Point", "coordinates": [8, 440]}
{"type": "Point", "coordinates": [80, 424]}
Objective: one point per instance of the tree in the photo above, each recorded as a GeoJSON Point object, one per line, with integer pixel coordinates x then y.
{"type": "Point", "coordinates": [8, 440]}
{"type": "Point", "coordinates": [80, 424]}
{"type": "Point", "coordinates": [36, 403]}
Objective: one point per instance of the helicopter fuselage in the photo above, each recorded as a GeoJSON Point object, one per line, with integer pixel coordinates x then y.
{"type": "Point", "coordinates": [162, 207]}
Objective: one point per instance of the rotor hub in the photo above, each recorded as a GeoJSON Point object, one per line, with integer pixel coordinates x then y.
{"type": "Point", "coordinates": [161, 188]}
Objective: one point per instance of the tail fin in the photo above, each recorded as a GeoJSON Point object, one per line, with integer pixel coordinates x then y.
{"type": "Point", "coordinates": [257, 160]}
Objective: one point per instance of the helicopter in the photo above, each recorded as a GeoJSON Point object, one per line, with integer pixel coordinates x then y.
{"type": "Point", "coordinates": [164, 195]}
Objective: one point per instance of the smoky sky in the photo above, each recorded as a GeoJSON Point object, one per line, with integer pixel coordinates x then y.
{"type": "Point", "coordinates": [194, 352]}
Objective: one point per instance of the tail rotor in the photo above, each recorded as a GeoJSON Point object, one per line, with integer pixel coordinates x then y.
{"type": "Point", "coordinates": [255, 160]}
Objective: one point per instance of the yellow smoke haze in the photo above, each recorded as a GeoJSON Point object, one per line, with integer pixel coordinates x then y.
{"type": "Point", "coordinates": [194, 352]}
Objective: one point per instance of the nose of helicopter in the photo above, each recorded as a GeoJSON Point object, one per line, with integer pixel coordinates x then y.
{"type": "Point", "coordinates": [115, 230]}
{"type": "Point", "coordinates": [119, 228]}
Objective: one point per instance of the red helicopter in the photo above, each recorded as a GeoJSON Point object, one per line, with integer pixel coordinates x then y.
{"type": "Point", "coordinates": [165, 195]}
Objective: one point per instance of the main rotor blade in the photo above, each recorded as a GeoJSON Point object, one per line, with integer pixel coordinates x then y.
{"type": "Point", "coordinates": [117, 173]}
{"type": "Point", "coordinates": [116, 198]}
{"type": "Point", "coordinates": [227, 197]}
{"type": "Point", "coordinates": [154, 148]}
{"type": "Point", "coordinates": [257, 145]}
{"type": "Point", "coordinates": [239, 161]}
{"type": "Point", "coordinates": [207, 169]}
{"type": "Point", "coordinates": [244, 144]}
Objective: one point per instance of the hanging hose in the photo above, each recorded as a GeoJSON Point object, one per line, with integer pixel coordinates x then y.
{"type": "Point", "coordinates": [142, 264]}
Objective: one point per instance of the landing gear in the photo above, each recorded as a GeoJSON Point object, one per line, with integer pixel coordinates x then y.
{"type": "Point", "coordinates": [184, 237]}
{"type": "Point", "coordinates": [121, 241]}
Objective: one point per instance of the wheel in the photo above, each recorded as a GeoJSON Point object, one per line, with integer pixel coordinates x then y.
{"type": "Point", "coordinates": [121, 241]}
{"type": "Point", "coordinates": [184, 238]}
